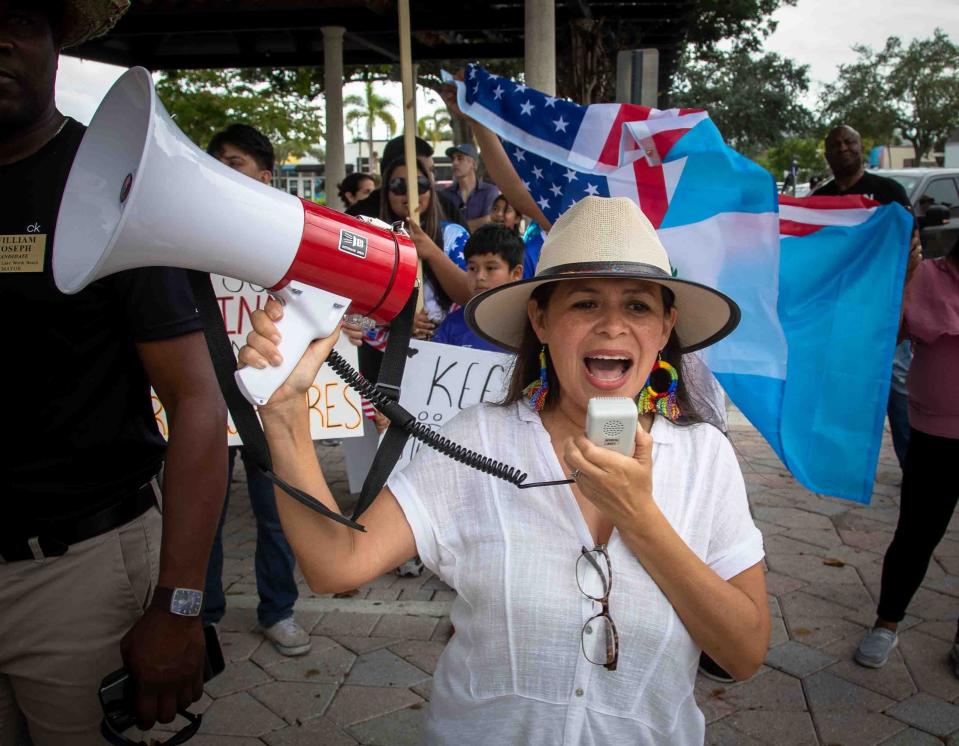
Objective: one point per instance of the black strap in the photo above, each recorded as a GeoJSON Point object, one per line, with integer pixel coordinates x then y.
{"type": "Point", "coordinates": [244, 416]}
{"type": "Point", "coordinates": [388, 383]}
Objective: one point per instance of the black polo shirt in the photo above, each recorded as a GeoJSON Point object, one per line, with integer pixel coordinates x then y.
{"type": "Point", "coordinates": [879, 188]}
{"type": "Point", "coordinates": [78, 430]}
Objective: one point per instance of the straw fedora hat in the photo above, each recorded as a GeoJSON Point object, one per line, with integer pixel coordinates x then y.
{"type": "Point", "coordinates": [86, 19]}
{"type": "Point", "coordinates": [609, 238]}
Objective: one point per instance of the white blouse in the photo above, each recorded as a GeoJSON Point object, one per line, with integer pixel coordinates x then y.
{"type": "Point", "coordinates": [514, 672]}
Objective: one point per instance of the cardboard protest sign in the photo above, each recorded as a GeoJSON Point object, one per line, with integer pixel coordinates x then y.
{"type": "Point", "coordinates": [335, 409]}
{"type": "Point", "coordinates": [440, 380]}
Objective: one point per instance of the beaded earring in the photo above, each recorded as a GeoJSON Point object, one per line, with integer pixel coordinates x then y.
{"type": "Point", "coordinates": [664, 402]}
{"type": "Point", "coordinates": [536, 392]}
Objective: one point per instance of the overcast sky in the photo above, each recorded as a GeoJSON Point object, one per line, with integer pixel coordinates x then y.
{"type": "Point", "coordinates": [814, 32]}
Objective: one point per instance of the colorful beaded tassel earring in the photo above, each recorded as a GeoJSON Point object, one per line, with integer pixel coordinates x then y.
{"type": "Point", "coordinates": [664, 402]}
{"type": "Point", "coordinates": [536, 392]}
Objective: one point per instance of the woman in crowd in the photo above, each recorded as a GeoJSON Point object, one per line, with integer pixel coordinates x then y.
{"type": "Point", "coordinates": [581, 608]}
{"type": "Point", "coordinates": [502, 212]}
{"type": "Point", "coordinates": [930, 479]}
{"type": "Point", "coordinates": [355, 187]}
{"type": "Point", "coordinates": [439, 243]}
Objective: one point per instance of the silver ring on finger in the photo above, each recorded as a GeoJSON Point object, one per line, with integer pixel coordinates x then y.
{"type": "Point", "coordinates": [573, 474]}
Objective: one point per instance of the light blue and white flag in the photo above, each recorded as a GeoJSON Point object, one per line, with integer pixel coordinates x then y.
{"type": "Point", "coordinates": [717, 214]}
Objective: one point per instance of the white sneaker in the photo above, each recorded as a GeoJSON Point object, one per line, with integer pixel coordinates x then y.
{"type": "Point", "coordinates": [411, 568]}
{"type": "Point", "coordinates": [874, 650]}
{"type": "Point", "coordinates": [288, 637]}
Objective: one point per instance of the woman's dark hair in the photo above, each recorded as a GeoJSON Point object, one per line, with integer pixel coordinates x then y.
{"type": "Point", "coordinates": [352, 183]}
{"type": "Point", "coordinates": [246, 138]}
{"type": "Point", "coordinates": [430, 221]}
{"type": "Point", "coordinates": [526, 366]}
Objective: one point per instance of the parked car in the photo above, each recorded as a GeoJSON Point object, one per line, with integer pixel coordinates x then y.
{"type": "Point", "coordinates": [934, 193]}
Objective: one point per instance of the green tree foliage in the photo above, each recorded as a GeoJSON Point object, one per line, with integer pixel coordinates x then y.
{"type": "Point", "coordinates": [755, 101]}
{"type": "Point", "coordinates": [279, 103]}
{"type": "Point", "coordinates": [911, 89]}
{"type": "Point", "coordinates": [370, 109]}
{"type": "Point", "coordinates": [806, 151]}
{"type": "Point", "coordinates": [434, 127]}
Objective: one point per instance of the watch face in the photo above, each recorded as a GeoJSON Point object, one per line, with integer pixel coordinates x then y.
{"type": "Point", "coordinates": [186, 602]}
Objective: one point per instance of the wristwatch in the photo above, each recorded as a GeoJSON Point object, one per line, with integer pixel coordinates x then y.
{"type": "Point", "coordinates": [179, 601]}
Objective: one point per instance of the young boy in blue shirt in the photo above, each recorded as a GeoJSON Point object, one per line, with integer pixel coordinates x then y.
{"type": "Point", "coordinates": [494, 257]}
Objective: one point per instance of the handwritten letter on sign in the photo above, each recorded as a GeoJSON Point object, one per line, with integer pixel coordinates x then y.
{"type": "Point", "coordinates": [335, 409]}
{"type": "Point", "coordinates": [440, 380]}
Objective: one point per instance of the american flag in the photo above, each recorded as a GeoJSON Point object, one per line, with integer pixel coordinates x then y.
{"type": "Point", "coordinates": [611, 149]}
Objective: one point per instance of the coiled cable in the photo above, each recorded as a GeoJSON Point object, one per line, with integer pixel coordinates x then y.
{"type": "Point", "coordinates": [424, 433]}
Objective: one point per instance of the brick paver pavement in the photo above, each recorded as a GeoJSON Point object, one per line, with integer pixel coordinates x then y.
{"type": "Point", "coordinates": [367, 679]}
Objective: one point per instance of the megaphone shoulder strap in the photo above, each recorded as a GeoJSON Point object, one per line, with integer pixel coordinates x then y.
{"type": "Point", "coordinates": [388, 384]}
{"type": "Point", "coordinates": [244, 416]}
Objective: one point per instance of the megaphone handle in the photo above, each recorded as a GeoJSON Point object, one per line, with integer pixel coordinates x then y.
{"type": "Point", "coordinates": [308, 313]}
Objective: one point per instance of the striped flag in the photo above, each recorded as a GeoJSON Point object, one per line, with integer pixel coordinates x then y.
{"type": "Point", "coordinates": [843, 263]}
{"type": "Point", "coordinates": [718, 216]}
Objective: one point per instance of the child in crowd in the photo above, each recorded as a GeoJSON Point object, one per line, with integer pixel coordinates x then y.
{"type": "Point", "coordinates": [494, 257]}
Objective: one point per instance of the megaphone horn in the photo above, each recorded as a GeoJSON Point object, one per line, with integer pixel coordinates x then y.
{"type": "Point", "coordinates": [141, 194]}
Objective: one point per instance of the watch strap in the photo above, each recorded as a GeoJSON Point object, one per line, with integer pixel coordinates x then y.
{"type": "Point", "coordinates": [163, 599]}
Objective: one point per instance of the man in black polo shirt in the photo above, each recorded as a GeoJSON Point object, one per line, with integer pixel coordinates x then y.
{"type": "Point", "coordinates": [87, 582]}
{"type": "Point", "coordinates": [845, 158]}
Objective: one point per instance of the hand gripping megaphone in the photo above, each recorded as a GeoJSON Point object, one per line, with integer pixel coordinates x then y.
{"type": "Point", "coordinates": [141, 194]}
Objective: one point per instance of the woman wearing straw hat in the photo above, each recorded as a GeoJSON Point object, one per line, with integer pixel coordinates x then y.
{"type": "Point", "coordinates": [581, 608]}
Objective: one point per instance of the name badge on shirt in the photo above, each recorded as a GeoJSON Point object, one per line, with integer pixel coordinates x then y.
{"type": "Point", "coordinates": [22, 252]}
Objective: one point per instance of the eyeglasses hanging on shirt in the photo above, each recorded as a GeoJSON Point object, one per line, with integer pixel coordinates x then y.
{"type": "Point", "coordinates": [594, 576]}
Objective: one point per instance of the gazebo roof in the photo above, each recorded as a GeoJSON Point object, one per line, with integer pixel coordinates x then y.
{"type": "Point", "coordinates": [184, 34]}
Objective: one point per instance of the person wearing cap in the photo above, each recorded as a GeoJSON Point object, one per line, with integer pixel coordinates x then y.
{"type": "Point", "coordinates": [582, 607]}
{"type": "Point", "coordinates": [472, 197]}
{"type": "Point", "coordinates": [92, 577]}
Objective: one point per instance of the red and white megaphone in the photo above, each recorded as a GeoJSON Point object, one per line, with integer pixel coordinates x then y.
{"type": "Point", "coordinates": [140, 194]}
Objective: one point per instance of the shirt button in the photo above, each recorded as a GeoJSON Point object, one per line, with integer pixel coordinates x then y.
{"type": "Point", "coordinates": [589, 630]}
{"type": "Point", "coordinates": [579, 692]}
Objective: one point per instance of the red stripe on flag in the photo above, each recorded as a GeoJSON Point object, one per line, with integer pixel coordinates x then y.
{"type": "Point", "coordinates": [683, 112]}
{"type": "Point", "coordinates": [845, 202]}
{"type": "Point", "coordinates": [666, 139]}
{"type": "Point", "coordinates": [651, 188]}
{"type": "Point", "coordinates": [609, 155]}
{"type": "Point", "coordinates": [792, 228]}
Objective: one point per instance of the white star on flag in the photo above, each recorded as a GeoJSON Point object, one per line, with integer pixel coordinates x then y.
{"type": "Point", "coordinates": [476, 89]}
{"type": "Point", "coordinates": [472, 73]}
{"type": "Point", "coordinates": [556, 190]}
{"type": "Point", "coordinates": [498, 92]}
{"type": "Point", "coordinates": [519, 155]}
{"type": "Point", "coordinates": [543, 203]}
{"type": "Point", "coordinates": [526, 184]}
{"type": "Point", "coordinates": [527, 108]}
{"type": "Point", "coordinates": [560, 124]}
{"type": "Point", "coordinates": [570, 175]}
{"type": "Point", "coordinates": [520, 88]}
{"type": "Point", "coordinates": [592, 190]}
{"type": "Point", "coordinates": [537, 172]}
{"type": "Point", "coordinates": [551, 101]}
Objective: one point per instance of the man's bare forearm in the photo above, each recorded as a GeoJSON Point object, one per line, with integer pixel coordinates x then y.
{"type": "Point", "coordinates": [194, 485]}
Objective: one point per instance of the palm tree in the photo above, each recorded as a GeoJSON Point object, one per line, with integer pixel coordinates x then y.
{"type": "Point", "coordinates": [432, 126]}
{"type": "Point", "coordinates": [372, 108]}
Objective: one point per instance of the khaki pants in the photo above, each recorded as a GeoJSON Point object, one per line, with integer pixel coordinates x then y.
{"type": "Point", "coordinates": [61, 622]}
